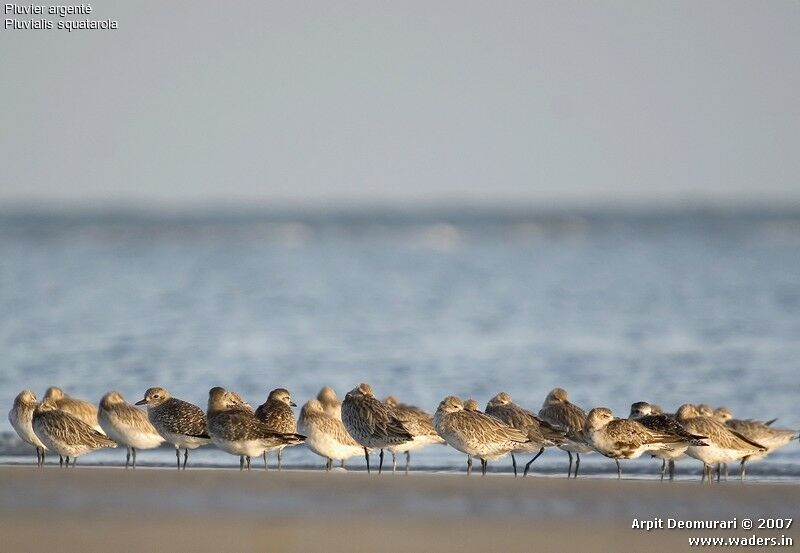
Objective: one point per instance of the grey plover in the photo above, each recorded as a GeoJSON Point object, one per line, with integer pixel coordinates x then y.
{"type": "Point", "coordinates": [724, 444]}
{"type": "Point", "coordinates": [181, 423]}
{"type": "Point", "coordinates": [419, 424]}
{"type": "Point", "coordinates": [476, 434]}
{"type": "Point", "coordinates": [331, 404]}
{"type": "Point", "coordinates": [21, 418]}
{"type": "Point", "coordinates": [642, 412]}
{"type": "Point", "coordinates": [326, 435]}
{"type": "Point", "coordinates": [127, 425]}
{"type": "Point", "coordinates": [84, 410]}
{"type": "Point", "coordinates": [371, 423]}
{"type": "Point", "coordinates": [627, 439]}
{"type": "Point", "coordinates": [65, 434]}
{"type": "Point", "coordinates": [277, 414]}
{"type": "Point", "coordinates": [760, 432]}
{"type": "Point", "coordinates": [237, 431]}
{"type": "Point", "coordinates": [541, 433]}
{"type": "Point", "coordinates": [569, 418]}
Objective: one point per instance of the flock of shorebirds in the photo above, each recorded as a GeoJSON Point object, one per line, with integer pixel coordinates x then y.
{"type": "Point", "coordinates": [362, 423]}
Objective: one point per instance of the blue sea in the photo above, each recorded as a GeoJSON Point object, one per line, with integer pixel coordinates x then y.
{"type": "Point", "coordinates": [614, 306]}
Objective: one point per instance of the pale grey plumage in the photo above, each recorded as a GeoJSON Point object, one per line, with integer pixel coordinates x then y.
{"type": "Point", "coordinates": [419, 424]}
{"type": "Point", "coordinates": [21, 418]}
{"type": "Point", "coordinates": [127, 425]}
{"type": "Point", "coordinates": [476, 434]}
{"type": "Point", "coordinates": [325, 434]}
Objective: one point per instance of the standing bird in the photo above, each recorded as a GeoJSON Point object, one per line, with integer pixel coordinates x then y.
{"type": "Point", "coordinates": [641, 412]}
{"type": "Point", "coordinates": [277, 414]}
{"type": "Point", "coordinates": [476, 434]}
{"type": "Point", "coordinates": [628, 439]}
{"type": "Point", "coordinates": [180, 423]}
{"type": "Point", "coordinates": [724, 444]}
{"type": "Point", "coordinates": [127, 425]}
{"type": "Point", "coordinates": [21, 418]}
{"type": "Point", "coordinates": [330, 403]}
{"type": "Point", "coordinates": [372, 423]}
{"type": "Point", "coordinates": [237, 431]}
{"type": "Point", "coordinates": [419, 424]}
{"type": "Point", "coordinates": [84, 410]}
{"type": "Point", "coordinates": [66, 434]}
{"type": "Point", "coordinates": [542, 434]}
{"type": "Point", "coordinates": [757, 431]}
{"type": "Point", "coordinates": [569, 418]}
{"type": "Point", "coordinates": [325, 434]}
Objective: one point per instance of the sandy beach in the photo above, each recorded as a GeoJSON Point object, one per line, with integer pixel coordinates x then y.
{"type": "Point", "coordinates": [207, 510]}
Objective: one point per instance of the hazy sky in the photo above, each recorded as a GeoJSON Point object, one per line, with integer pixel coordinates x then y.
{"type": "Point", "coordinates": [363, 102]}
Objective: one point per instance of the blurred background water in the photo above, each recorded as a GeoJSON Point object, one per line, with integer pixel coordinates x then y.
{"type": "Point", "coordinates": [667, 307]}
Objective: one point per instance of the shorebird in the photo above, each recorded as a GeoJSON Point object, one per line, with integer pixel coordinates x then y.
{"type": "Point", "coordinates": [542, 434]}
{"type": "Point", "coordinates": [180, 423]}
{"type": "Point", "coordinates": [419, 424]}
{"type": "Point", "coordinates": [725, 444]}
{"type": "Point", "coordinates": [757, 431]}
{"type": "Point", "coordinates": [472, 405]}
{"type": "Point", "coordinates": [66, 434]}
{"type": "Point", "coordinates": [476, 434]}
{"type": "Point", "coordinates": [642, 412]}
{"type": "Point", "coordinates": [626, 439]}
{"type": "Point", "coordinates": [371, 423]}
{"type": "Point", "coordinates": [84, 410]}
{"type": "Point", "coordinates": [21, 418]}
{"type": "Point", "coordinates": [326, 435]}
{"type": "Point", "coordinates": [569, 418]}
{"type": "Point", "coordinates": [237, 431]}
{"type": "Point", "coordinates": [127, 425]}
{"type": "Point", "coordinates": [330, 403]}
{"type": "Point", "coordinates": [277, 414]}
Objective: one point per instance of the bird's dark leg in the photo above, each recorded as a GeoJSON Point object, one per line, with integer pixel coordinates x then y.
{"type": "Point", "coordinates": [380, 462]}
{"type": "Point", "coordinates": [128, 457]}
{"type": "Point", "coordinates": [60, 460]}
{"type": "Point", "coordinates": [341, 463]}
{"type": "Point", "coordinates": [742, 471]}
{"type": "Point", "coordinates": [408, 460]}
{"type": "Point", "coordinates": [577, 463]}
{"type": "Point", "coordinates": [514, 464]}
{"type": "Point", "coordinates": [719, 470]}
{"type": "Point", "coordinates": [528, 466]}
{"type": "Point", "coordinates": [178, 457]}
{"type": "Point", "coordinates": [469, 465]}
{"type": "Point", "coordinates": [67, 461]}
{"type": "Point", "coordinates": [484, 464]}
{"type": "Point", "coordinates": [328, 464]}
{"type": "Point", "coordinates": [663, 468]}
{"type": "Point", "coordinates": [366, 456]}
{"type": "Point", "coordinates": [248, 462]}
{"type": "Point", "coordinates": [241, 462]}
{"type": "Point", "coordinates": [133, 451]}
{"type": "Point", "coordinates": [394, 462]}
{"type": "Point", "coordinates": [672, 469]}
{"type": "Point", "coordinates": [185, 457]}
{"type": "Point", "coordinates": [569, 470]}
{"type": "Point", "coordinates": [619, 469]}
{"type": "Point", "coordinates": [265, 460]}
{"type": "Point", "coordinates": [280, 457]}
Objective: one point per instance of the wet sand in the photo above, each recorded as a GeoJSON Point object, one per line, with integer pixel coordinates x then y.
{"type": "Point", "coordinates": [110, 509]}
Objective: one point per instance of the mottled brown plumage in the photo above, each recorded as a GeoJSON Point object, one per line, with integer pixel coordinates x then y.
{"type": "Point", "coordinates": [541, 433]}
{"type": "Point", "coordinates": [65, 434]}
{"type": "Point", "coordinates": [127, 425]}
{"type": "Point", "coordinates": [277, 414]}
{"type": "Point", "coordinates": [419, 424]}
{"type": "Point", "coordinates": [84, 410]}
{"type": "Point", "coordinates": [569, 418]}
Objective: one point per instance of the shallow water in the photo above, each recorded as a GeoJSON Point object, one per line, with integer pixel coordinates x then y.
{"type": "Point", "coordinates": [616, 308]}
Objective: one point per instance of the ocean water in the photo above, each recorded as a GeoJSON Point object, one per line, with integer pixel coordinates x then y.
{"type": "Point", "coordinates": [666, 307]}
